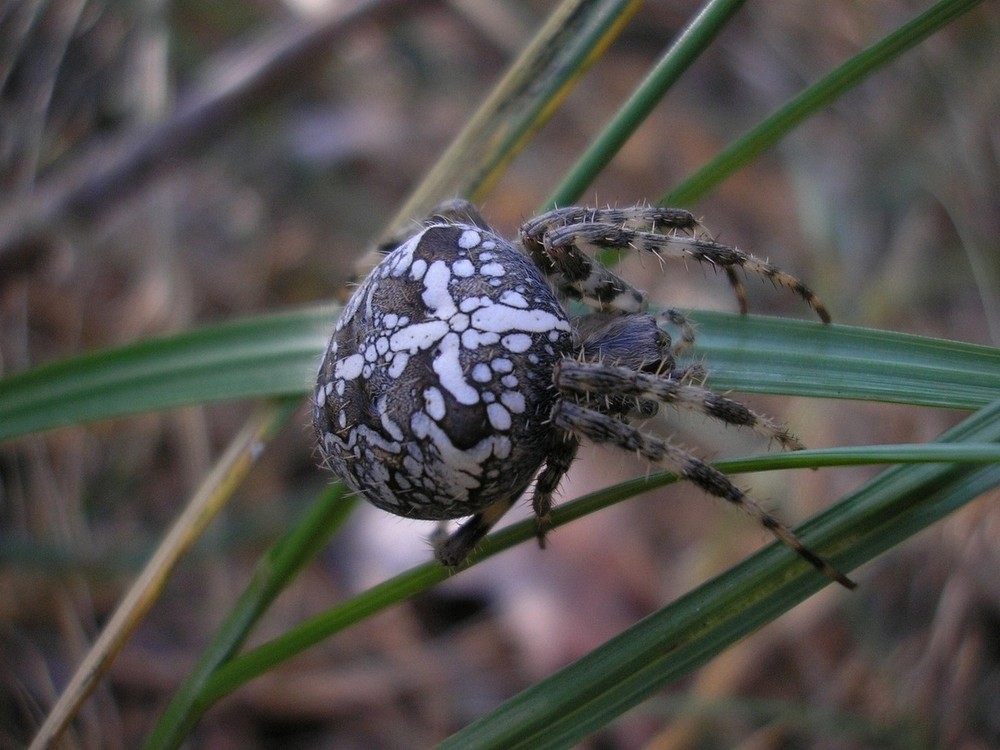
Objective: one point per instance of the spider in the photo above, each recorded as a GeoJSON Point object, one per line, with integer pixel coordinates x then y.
{"type": "Point", "coordinates": [455, 375]}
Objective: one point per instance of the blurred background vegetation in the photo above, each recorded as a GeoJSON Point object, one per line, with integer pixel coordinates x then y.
{"type": "Point", "coordinates": [137, 199]}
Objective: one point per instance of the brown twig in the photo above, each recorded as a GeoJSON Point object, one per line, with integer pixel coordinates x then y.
{"type": "Point", "coordinates": [100, 179]}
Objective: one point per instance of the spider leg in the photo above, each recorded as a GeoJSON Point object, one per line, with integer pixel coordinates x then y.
{"type": "Point", "coordinates": [640, 218]}
{"type": "Point", "coordinates": [602, 428]}
{"type": "Point", "coordinates": [578, 276]}
{"type": "Point", "coordinates": [583, 379]}
{"type": "Point", "coordinates": [741, 293]}
{"type": "Point", "coordinates": [451, 550]}
{"type": "Point", "coordinates": [560, 457]}
{"type": "Point", "coordinates": [564, 243]}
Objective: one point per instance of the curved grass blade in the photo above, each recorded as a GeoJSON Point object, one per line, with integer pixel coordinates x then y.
{"type": "Point", "coordinates": [967, 455]}
{"type": "Point", "coordinates": [270, 355]}
{"type": "Point", "coordinates": [802, 358]}
{"type": "Point", "coordinates": [816, 97]}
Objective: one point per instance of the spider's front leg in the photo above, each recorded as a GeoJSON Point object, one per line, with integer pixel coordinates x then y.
{"type": "Point", "coordinates": [555, 240]}
{"type": "Point", "coordinates": [562, 451]}
{"type": "Point", "coordinates": [562, 239]}
{"type": "Point", "coordinates": [603, 428]}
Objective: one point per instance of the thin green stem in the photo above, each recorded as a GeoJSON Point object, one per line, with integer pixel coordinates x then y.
{"type": "Point", "coordinates": [813, 99]}
{"type": "Point", "coordinates": [273, 574]}
{"type": "Point", "coordinates": [267, 656]}
{"type": "Point", "coordinates": [574, 36]}
{"type": "Point", "coordinates": [691, 42]}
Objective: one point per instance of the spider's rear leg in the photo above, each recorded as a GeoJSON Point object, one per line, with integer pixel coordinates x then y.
{"type": "Point", "coordinates": [567, 241]}
{"type": "Point", "coordinates": [451, 550]}
{"type": "Point", "coordinates": [585, 379]}
{"type": "Point", "coordinates": [602, 428]}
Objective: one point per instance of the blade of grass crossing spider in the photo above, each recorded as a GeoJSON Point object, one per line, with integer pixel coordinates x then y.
{"type": "Point", "coordinates": [691, 42]}
{"type": "Point", "coordinates": [206, 502]}
{"type": "Point", "coordinates": [904, 453]}
{"type": "Point", "coordinates": [677, 639]}
{"type": "Point", "coordinates": [278, 355]}
{"type": "Point", "coordinates": [268, 655]}
{"type": "Point", "coordinates": [815, 98]}
{"type": "Point", "coordinates": [575, 35]}
{"type": "Point", "coordinates": [275, 571]}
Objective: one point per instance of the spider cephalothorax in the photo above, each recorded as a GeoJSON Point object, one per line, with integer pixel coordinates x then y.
{"type": "Point", "coordinates": [455, 376]}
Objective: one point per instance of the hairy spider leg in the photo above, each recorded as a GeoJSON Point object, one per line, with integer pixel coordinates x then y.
{"type": "Point", "coordinates": [601, 428]}
{"type": "Point", "coordinates": [640, 218]}
{"type": "Point", "coordinates": [585, 379]}
{"type": "Point", "coordinates": [452, 550]}
{"type": "Point", "coordinates": [565, 245]}
{"type": "Point", "coordinates": [575, 275]}
{"type": "Point", "coordinates": [561, 455]}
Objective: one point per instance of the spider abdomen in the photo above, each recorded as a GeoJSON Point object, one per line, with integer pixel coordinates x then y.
{"type": "Point", "coordinates": [434, 396]}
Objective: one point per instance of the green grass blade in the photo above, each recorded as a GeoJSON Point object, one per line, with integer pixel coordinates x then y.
{"type": "Point", "coordinates": [55, 560]}
{"type": "Point", "coordinates": [575, 35]}
{"type": "Point", "coordinates": [692, 41]}
{"type": "Point", "coordinates": [813, 99]}
{"type": "Point", "coordinates": [793, 357]}
{"type": "Point", "coordinates": [273, 574]}
{"type": "Point", "coordinates": [249, 358]}
{"type": "Point", "coordinates": [292, 643]}
{"type": "Point", "coordinates": [672, 642]}
{"type": "Point", "coordinates": [278, 355]}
